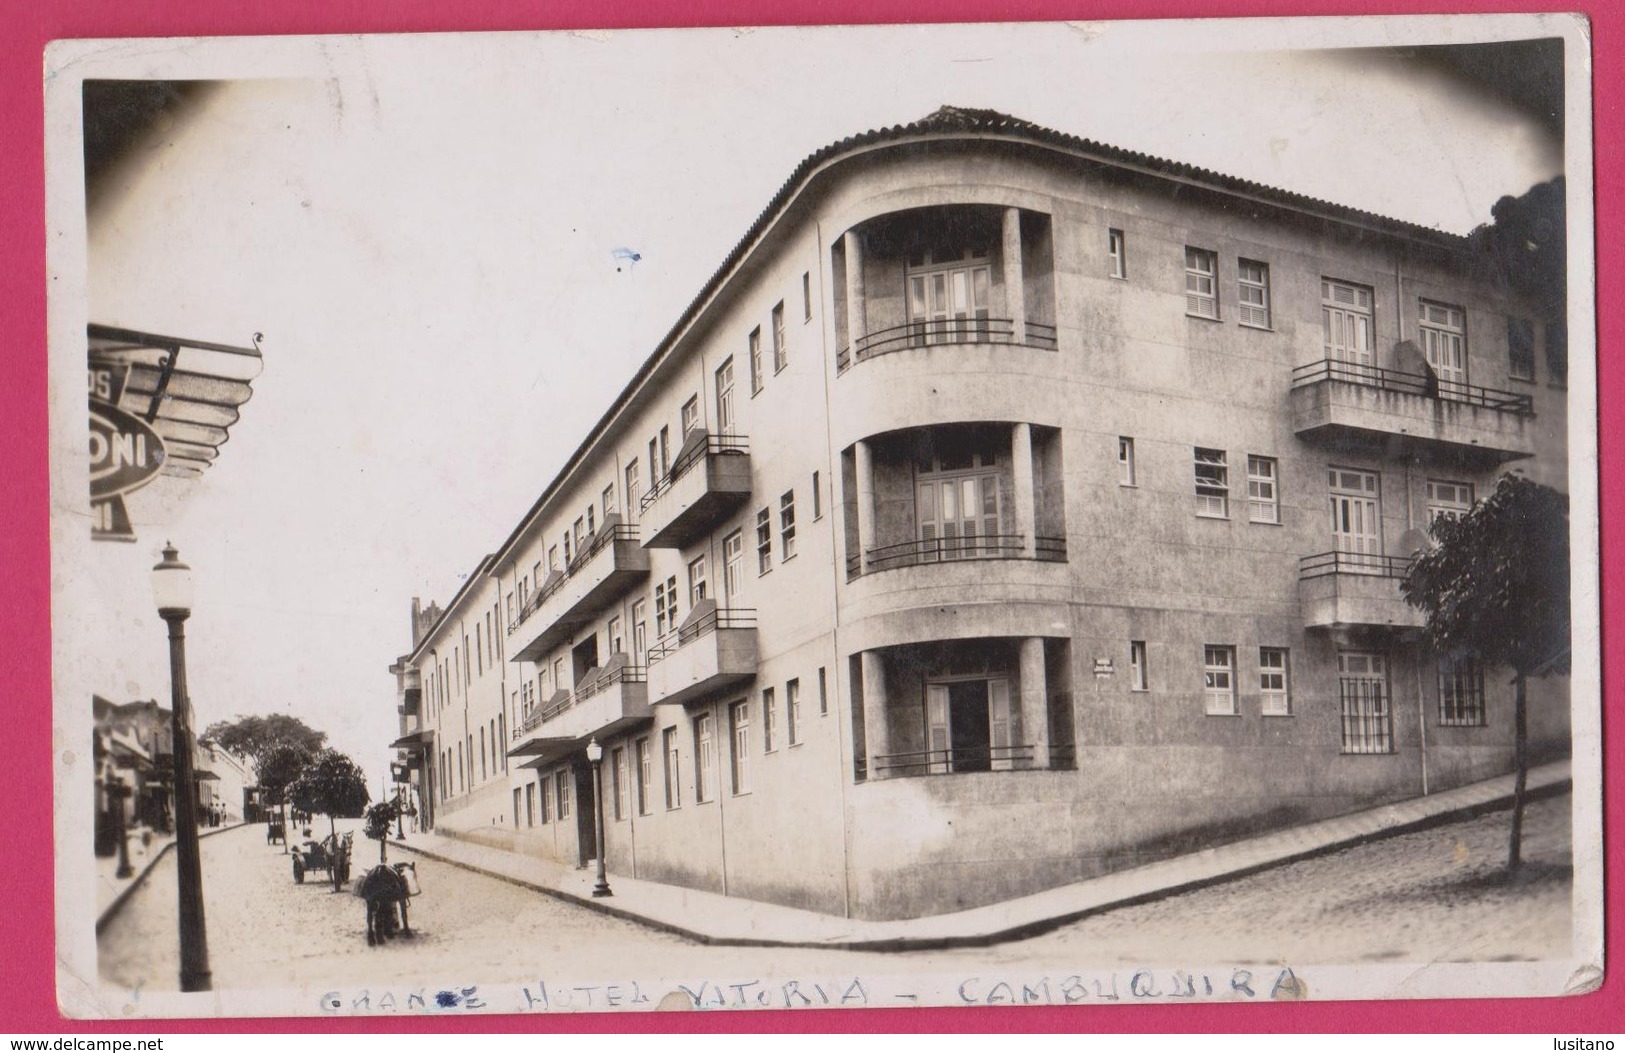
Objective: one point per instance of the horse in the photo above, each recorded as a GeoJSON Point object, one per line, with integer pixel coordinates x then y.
{"type": "Point", "coordinates": [386, 888]}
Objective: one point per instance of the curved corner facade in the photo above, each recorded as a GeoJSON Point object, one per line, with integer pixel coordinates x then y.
{"type": "Point", "coordinates": [1003, 513]}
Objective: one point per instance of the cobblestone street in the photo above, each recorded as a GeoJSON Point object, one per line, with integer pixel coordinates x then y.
{"type": "Point", "coordinates": [1439, 894]}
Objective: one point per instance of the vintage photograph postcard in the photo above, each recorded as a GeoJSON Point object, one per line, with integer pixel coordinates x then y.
{"type": "Point", "coordinates": [803, 518]}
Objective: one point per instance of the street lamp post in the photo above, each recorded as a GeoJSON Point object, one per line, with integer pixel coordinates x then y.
{"type": "Point", "coordinates": [595, 757]}
{"type": "Point", "coordinates": [116, 792]}
{"type": "Point", "coordinates": [172, 589]}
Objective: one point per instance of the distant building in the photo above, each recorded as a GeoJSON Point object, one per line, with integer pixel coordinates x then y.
{"type": "Point", "coordinates": [1006, 510]}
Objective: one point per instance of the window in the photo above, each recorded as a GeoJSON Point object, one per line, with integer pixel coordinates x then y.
{"type": "Point", "coordinates": [770, 720]}
{"type": "Point", "coordinates": [617, 778]}
{"type": "Point", "coordinates": [591, 529]}
{"type": "Point", "coordinates": [558, 674]}
{"type": "Point", "coordinates": [609, 501]}
{"type": "Point", "coordinates": [739, 739]}
{"type": "Point", "coordinates": [1136, 665]}
{"type": "Point", "coordinates": [1125, 461]}
{"type": "Point", "coordinates": [562, 792]}
{"type": "Point", "coordinates": [668, 743]}
{"type": "Point", "coordinates": [806, 296]}
{"type": "Point", "coordinates": [582, 532]}
{"type": "Point", "coordinates": [530, 804]}
{"type": "Point", "coordinates": [547, 801]}
{"type": "Point", "coordinates": [614, 636]}
{"type": "Point", "coordinates": [1212, 484]}
{"type": "Point", "coordinates": [1116, 254]}
{"type": "Point", "coordinates": [817, 499]}
{"type": "Point", "coordinates": [948, 296]}
{"type": "Point", "coordinates": [1201, 283]}
{"type": "Point", "coordinates": [1443, 332]}
{"type": "Point", "coordinates": [1448, 500]}
{"type": "Point", "coordinates": [691, 414]}
{"type": "Point", "coordinates": [1219, 680]}
{"type": "Point", "coordinates": [956, 500]}
{"type": "Point", "coordinates": [823, 692]}
{"type": "Point", "coordinates": [665, 607]}
{"type": "Point", "coordinates": [764, 542]}
{"type": "Point", "coordinates": [967, 725]}
{"type": "Point", "coordinates": [1273, 688]}
{"type": "Point", "coordinates": [640, 630]}
{"type": "Point", "coordinates": [704, 758]}
{"type": "Point", "coordinates": [1520, 349]}
{"type": "Point", "coordinates": [696, 582]}
{"type": "Point", "coordinates": [1345, 311]}
{"type": "Point", "coordinates": [654, 464]}
{"type": "Point", "coordinates": [1362, 690]}
{"type": "Point", "coordinates": [1263, 500]}
{"type": "Point", "coordinates": [483, 775]}
{"type": "Point", "coordinates": [725, 397]}
{"type": "Point", "coordinates": [665, 451]}
{"type": "Point", "coordinates": [1356, 518]}
{"type": "Point", "coordinates": [755, 360]}
{"type": "Point", "coordinates": [1253, 293]}
{"type": "Point", "coordinates": [792, 712]}
{"type": "Point", "coordinates": [1461, 692]}
{"type": "Point", "coordinates": [645, 775]}
{"type": "Point", "coordinates": [568, 559]}
{"type": "Point", "coordinates": [632, 486]}
{"type": "Point", "coordinates": [787, 525]}
{"type": "Point", "coordinates": [781, 351]}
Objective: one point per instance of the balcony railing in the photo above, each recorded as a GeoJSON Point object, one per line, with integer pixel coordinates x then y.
{"type": "Point", "coordinates": [719, 618]}
{"type": "Point", "coordinates": [603, 539]}
{"type": "Point", "coordinates": [630, 674]}
{"type": "Point", "coordinates": [955, 761]}
{"type": "Point", "coordinates": [690, 457]}
{"type": "Point", "coordinates": [954, 549]}
{"type": "Point", "coordinates": [940, 331]}
{"type": "Point", "coordinates": [1412, 384]}
{"type": "Point", "coordinates": [1319, 566]}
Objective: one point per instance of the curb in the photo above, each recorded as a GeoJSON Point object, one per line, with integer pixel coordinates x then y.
{"type": "Point", "coordinates": [1028, 928]}
{"type": "Point", "coordinates": [141, 875]}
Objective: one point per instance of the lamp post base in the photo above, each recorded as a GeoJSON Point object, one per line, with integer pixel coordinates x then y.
{"type": "Point", "coordinates": [600, 890]}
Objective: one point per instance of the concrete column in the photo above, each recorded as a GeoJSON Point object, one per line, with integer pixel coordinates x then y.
{"type": "Point", "coordinates": [1015, 289]}
{"type": "Point", "coordinates": [876, 728]}
{"type": "Point", "coordinates": [856, 326]}
{"type": "Point", "coordinates": [1021, 460]}
{"type": "Point", "coordinates": [1035, 700]}
{"type": "Point", "coordinates": [866, 496]}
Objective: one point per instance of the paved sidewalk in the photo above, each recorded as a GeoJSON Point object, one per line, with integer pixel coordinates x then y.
{"type": "Point", "coordinates": [729, 920]}
{"type": "Point", "coordinates": [144, 855]}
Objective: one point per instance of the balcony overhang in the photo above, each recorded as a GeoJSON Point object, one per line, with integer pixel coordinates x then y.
{"type": "Point", "coordinates": [714, 650]}
{"type": "Point", "coordinates": [611, 565]}
{"type": "Point", "coordinates": [1339, 590]}
{"type": "Point", "coordinates": [1335, 402]}
{"type": "Point", "coordinates": [707, 482]}
{"type": "Point", "coordinates": [609, 702]}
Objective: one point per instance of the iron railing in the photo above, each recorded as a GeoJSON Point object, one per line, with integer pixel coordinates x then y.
{"type": "Point", "coordinates": [954, 549]}
{"type": "Point", "coordinates": [940, 331]}
{"type": "Point", "coordinates": [1368, 564]}
{"type": "Point", "coordinates": [1329, 369]}
{"type": "Point", "coordinates": [630, 674]}
{"type": "Point", "coordinates": [601, 540]}
{"type": "Point", "coordinates": [1368, 725]}
{"type": "Point", "coordinates": [687, 459]}
{"type": "Point", "coordinates": [956, 760]}
{"type": "Point", "coordinates": [720, 618]}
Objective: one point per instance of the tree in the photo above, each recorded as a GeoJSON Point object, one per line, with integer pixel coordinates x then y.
{"type": "Point", "coordinates": [331, 785]}
{"type": "Point", "coordinates": [1496, 588]}
{"type": "Point", "coordinates": [1528, 246]}
{"type": "Point", "coordinates": [279, 767]}
{"type": "Point", "coordinates": [255, 736]}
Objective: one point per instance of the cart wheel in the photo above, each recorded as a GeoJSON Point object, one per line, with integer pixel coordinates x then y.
{"type": "Point", "coordinates": [298, 870]}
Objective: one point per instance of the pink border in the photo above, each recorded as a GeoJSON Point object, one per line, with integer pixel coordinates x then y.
{"type": "Point", "coordinates": [27, 970]}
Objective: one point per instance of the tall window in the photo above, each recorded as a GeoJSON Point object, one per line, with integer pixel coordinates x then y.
{"type": "Point", "coordinates": [547, 800]}
{"type": "Point", "coordinates": [787, 525]}
{"type": "Point", "coordinates": [1520, 349]}
{"type": "Point", "coordinates": [1116, 254]}
{"type": "Point", "coordinates": [792, 712]}
{"type": "Point", "coordinates": [654, 464]}
{"type": "Point", "coordinates": [691, 414]}
{"type": "Point", "coordinates": [1253, 293]}
{"type": "Point", "coordinates": [665, 451]}
{"type": "Point", "coordinates": [781, 350]}
{"type": "Point", "coordinates": [665, 606]}
{"type": "Point", "coordinates": [1219, 680]}
{"type": "Point", "coordinates": [530, 804]}
{"type": "Point", "coordinates": [1356, 518]}
{"type": "Point", "coordinates": [1263, 499]}
{"type": "Point", "coordinates": [1136, 665]}
{"type": "Point", "coordinates": [1345, 311]}
{"type": "Point", "coordinates": [1125, 461]}
{"type": "Point", "coordinates": [806, 296]}
{"type": "Point", "coordinates": [956, 499]}
{"type": "Point", "coordinates": [764, 542]}
{"type": "Point", "coordinates": [674, 792]}
{"type": "Point", "coordinates": [696, 581]}
{"type": "Point", "coordinates": [739, 746]}
{"type": "Point", "coordinates": [640, 638]}
{"type": "Point", "coordinates": [823, 692]}
{"type": "Point", "coordinates": [614, 636]}
{"type": "Point", "coordinates": [1201, 283]}
{"type": "Point", "coordinates": [609, 501]}
{"type": "Point", "coordinates": [1362, 690]}
{"type": "Point", "coordinates": [705, 758]}
{"type": "Point", "coordinates": [561, 793]}
{"type": "Point", "coordinates": [617, 769]}
{"type": "Point", "coordinates": [967, 725]}
{"type": "Point", "coordinates": [725, 397]}
{"type": "Point", "coordinates": [817, 498]}
{"type": "Point", "coordinates": [1212, 484]}
{"type": "Point", "coordinates": [733, 568]}
{"type": "Point", "coordinates": [633, 484]}
{"type": "Point", "coordinates": [755, 360]}
{"type": "Point", "coordinates": [770, 720]}
{"type": "Point", "coordinates": [1447, 500]}
{"type": "Point", "coordinates": [1273, 689]}
{"type": "Point", "coordinates": [1461, 692]}
{"type": "Point", "coordinates": [1443, 332]}
{"type": "Point", "coordinates": [645, 774]}
{"type": "Point", "coordinates": [948, 296]}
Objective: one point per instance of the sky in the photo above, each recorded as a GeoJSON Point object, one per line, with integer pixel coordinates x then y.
{"type": "Point", "coordinates": [422, 229]}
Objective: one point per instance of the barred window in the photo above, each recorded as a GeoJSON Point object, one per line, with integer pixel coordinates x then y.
{"type": "Point", "coordinates": [1461, 692]}
{"type": "Point", "coordinates": [1362, 690]}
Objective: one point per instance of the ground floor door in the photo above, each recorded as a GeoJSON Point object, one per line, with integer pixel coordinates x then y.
{"type": "Point", "coordinates": [586, 814]}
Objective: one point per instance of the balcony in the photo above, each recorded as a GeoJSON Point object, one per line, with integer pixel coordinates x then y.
{"type": "Point", "coordinates": [709, 479]}
{"type": "Point", "coordinates": [954, 550]}
{"type": "Point", "coordinates": [534, 737]}
{"type": "Point", "coordinates": [713, 650]}
{"type": "Point", "coordinates": [943, 332]}
{"type": "Point", "coordinates": [411, 702]}
{"type": "Point", "coordinates": [954, 761]}
{"type": "Point", "coordinates": [606, 701]}
{"type": "Point", "coordinates": [1336, 401]}
{"type": "Point", "coordinates": [611, 563]}
{"type": "Point", "coordinates": [1338, 589]}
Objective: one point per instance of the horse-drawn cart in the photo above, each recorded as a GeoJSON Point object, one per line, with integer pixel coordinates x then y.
{"type": "Point", "coordinates": [329, 854]}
